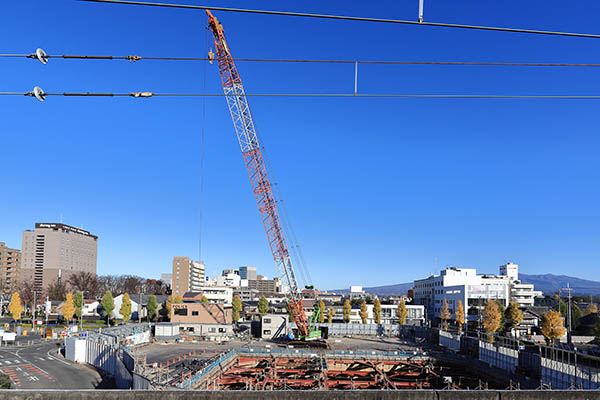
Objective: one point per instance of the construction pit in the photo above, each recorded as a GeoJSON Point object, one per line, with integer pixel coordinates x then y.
{"type": "Point", "coordinates": [332, 372]}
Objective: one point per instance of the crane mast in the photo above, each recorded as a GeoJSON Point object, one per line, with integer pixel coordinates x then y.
{"type": "Point", "coordinates": [257, 171]}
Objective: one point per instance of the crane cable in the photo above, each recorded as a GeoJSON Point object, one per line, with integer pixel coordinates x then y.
{"type": "Point", "coordinates": [350, 18]}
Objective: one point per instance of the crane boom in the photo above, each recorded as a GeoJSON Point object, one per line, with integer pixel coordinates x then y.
{"type": "Point", "coordinates": [257, 171]}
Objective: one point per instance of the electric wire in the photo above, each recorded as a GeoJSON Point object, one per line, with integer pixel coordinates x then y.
{"type": "Point", "coordinates": [324, 95]}
{"type": "Point", "coordinates": [349, 18]}
{"type": "Point", "coordinates": [202, 151]}
{"type": "Point", "coordinates": [135, 58]}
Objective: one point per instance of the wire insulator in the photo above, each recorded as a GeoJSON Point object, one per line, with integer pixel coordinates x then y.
{"type": "Point", "coordinates": [133, 58]}
{"type": "Point", "coordinates": [141, 94]}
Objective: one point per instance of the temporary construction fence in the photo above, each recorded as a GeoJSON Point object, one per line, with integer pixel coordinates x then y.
{"type": "Point", "coordinates": [341, 329]}
{"type": "Point", "coordinates": [450, 340]}
{"type": "Point", "coordinates": [564, 369]}
{"type": "Point", "coordinates": [554, 367]}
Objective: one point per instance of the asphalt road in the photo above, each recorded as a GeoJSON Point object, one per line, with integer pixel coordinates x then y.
{"type": "Point", "coordinates": [38, 367]}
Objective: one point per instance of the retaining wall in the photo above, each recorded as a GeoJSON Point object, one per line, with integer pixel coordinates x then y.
{"type": "Point", "coordinates": [498, 356]}
{"type": "Point", "coordinates": [450, 341]}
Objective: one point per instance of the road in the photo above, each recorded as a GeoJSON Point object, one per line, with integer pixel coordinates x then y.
{"type": "Point", "coordinates": [38, 367]}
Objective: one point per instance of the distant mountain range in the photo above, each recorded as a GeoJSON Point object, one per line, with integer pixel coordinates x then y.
{"type": "Point", "coordinates": [547, 283]}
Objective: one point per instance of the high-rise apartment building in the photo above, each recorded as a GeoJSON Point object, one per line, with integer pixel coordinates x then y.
{"type": "Point", "coordinates": [10, 268]}
{"type": "Point", "coordinates": [248, 273]}
{"type": "Point", "coordinates": [54, 251]}
{"type": "Point", "coordinates": [187, 276]}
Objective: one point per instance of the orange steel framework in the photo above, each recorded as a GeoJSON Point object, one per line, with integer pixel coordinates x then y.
{"type": "Point", "coordinates": [257, 171]}
{"type": "Point", "coordinates": [257, 373]}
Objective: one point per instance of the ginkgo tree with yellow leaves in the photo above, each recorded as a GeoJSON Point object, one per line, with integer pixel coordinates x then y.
{"type": "Point", "coordinates": [15, 307]}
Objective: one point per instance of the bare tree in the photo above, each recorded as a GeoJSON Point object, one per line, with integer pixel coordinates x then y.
{"type": "Point", "coordinates": [133, 284]}
{"type": "Point", "coordinates": [85, 282]}
{"type": "Point", "coordinates": [110, 283]}
{"type": "Point", "coordinates": [155, 287]}
{"type": "Point", "coordinates": [57, 290]}
{"type": "Point", "coordinates": [27, 293]}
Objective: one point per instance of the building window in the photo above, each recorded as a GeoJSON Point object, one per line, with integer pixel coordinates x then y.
{"type": "Point", "coordinates": [181, 311]}
{"type": "Point", "coordinates": [194, 313]}
{"type": "Point", "coordinates": [266, 332]}
{"type": "Point", "coordinates": [267, 321]}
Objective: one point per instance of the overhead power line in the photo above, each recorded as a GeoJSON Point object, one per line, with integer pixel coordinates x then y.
{"type": "Point", "coordinates": [41, 95]}
{"type": "Point", "coordinates": [135, 58]}
{"type": "Point", "coordinates": [348, 18]}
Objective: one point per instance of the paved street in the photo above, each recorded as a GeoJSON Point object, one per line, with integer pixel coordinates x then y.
{"type": "Point", "coordinates": [38, 367]}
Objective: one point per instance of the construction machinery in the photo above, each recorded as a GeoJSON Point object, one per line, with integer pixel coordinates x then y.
{"type": "Point", "coordinates": [261, 184]}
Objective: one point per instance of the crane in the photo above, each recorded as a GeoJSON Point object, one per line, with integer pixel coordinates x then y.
{"type": "Point", "coordinates": [259, 178]}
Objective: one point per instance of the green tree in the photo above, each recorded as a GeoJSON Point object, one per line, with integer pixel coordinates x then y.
{"type": "Point", "coordinates": [125, 309]}
{"type": "Point", "coordinates": [236, 305]}
{"type": "Point", "coordinates": [204, 300]}
{"type": "Point", "coordinates": [347, 311]}
{"type": "Point", "coordinates": [290, 314]}
{"type": "Point", "coordinates": [263, 305]}
{"type": "Point", "coordinates": [364, 315]}
{"type": "Point", "coordinates": [377, 311]}
{"type": "Point", "coordinates": [151, 307]}
{"type": "Point", "coordinates": [576, 313]}
{"type": "Point", "coordinates": [15, 307]}
{"type": "Point", "coordinates": [445, 315]}
{"type": "Point", "coordinates": [68, 308]}
{"type": "Point", "coordinates": [402, 313]}
{"type": "Point", "coordinates": [78, 303]}
{"type": "Point", "coordinates": [502, 311]}
{"type": "Point", "coordinates": [514, 315]}
{"type": "Point", "coordinates": [491, 319]}
{"type": "Point", "coordinates": [460, 315]}
{"type": "Point", "coordinates": [330, 314]}
{"type": "Point", "coordinates": [321, 311]}
{"type": "Point", "coordinates": [108, 305]}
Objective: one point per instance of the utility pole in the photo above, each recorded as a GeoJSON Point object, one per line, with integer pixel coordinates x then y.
{"type": "Point", "coordinates": [569, 326]}
{"type": "Point", "coordinates": [81, 311]}
{"type": "Point", "coordinates": [140, 309]}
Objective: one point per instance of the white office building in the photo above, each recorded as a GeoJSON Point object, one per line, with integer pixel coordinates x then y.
{"type": "Point", "coordinates": [464, 284]}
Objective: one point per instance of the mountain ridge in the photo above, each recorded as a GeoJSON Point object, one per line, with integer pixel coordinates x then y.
{"type": "Point", "coordinates": [547, 283]}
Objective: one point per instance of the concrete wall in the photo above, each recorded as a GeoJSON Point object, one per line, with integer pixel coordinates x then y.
{"type": "Point", "coordinates": [293, 395]}
{"type": "Point", "coordinates": [341, 329]}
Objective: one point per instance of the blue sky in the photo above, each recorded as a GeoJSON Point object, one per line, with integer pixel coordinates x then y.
{"type": "Point", "coordinates": [377, 188]}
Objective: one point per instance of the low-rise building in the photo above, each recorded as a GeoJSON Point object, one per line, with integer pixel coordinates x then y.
{"type": "Point", "coordinates": [208, 320]}
{"type": "Point", "coordinates": [214, 295]}
{"type": "Point", "coordinates": [274, 326]}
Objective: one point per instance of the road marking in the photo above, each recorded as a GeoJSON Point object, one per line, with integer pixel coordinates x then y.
{"type": "Point", "coordinates": [56, 359]}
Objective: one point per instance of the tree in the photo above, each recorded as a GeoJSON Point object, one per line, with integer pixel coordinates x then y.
{"type": "Point", "coordinates": [591, 309]}
{"type": "Point", "coordinates": [321, 311]}
{"type": "Point", "coordinates": [85, 282]}
{"type": "Point", "coordinates": [172, 300]}
{"type": "Point", "coordinates": [27, 292]}
{"type": "Point", "coordinates": [125, 309]}
{"type": "Point", "coordinates": [514, 315]}
{"type": "Point", "coordinates": [152, 307]}
{"type": "Point", "coordinates": [263, 305]}
{"type": "Point", "coordinates": [460, 315]}
{"type": "Point", "coordinates": [597, 329]}
{"type": "Point", "coordinates": [552, 325]}
{"type": "Point", "coordinates": [576, 313]}
{"type": "Point", "coordinates": [236, 305]}
{"type": "Point", "coordinates": [402, 313]}
{"type": "Point", "coordinates": [347, 311]}
{"type": "Point", "coordinates": [445, 315]}
{"type": "Point", "coordinates": [377, 311]}
{"type": "Point", "coordinates": [363, 312]}
{"type": "Point", "coordinates": [56, 290]}
{"type": "Point", "coordinates": [108, 305]}
{"type": "Point", "coordinates": [290, 315]}
{"type": "Point", "coordinates": [491, 319]}
{"type": "Point", "coordinates": [78, 303]}
{"type": "Point", "coordinates": [204, 300]}
{"type": "Point", "coordinates": [15, 307]}
{"type": "Point", "coordinates": [330, 314]}
{"type": "Point", "coordinates": [502, 311]}
{"type": "Point", "coordinates": [68, 308]}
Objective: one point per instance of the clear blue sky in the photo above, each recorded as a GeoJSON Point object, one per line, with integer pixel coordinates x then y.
{"type": "Point", "coordinates": [377, 189]}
